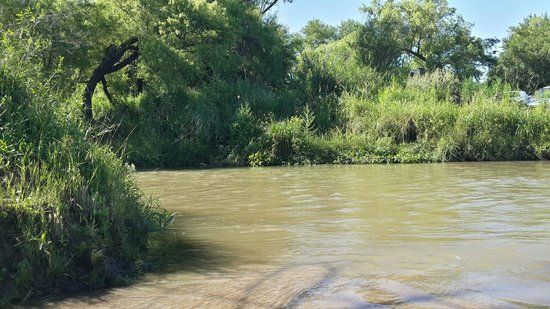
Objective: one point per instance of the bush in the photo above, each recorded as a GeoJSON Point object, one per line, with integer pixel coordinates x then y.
{"type": "Point", "coordinates": [489, 131]}
{"type": "Point", "coordinates": [283, 142]}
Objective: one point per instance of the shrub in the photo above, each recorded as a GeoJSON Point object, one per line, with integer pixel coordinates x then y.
{"type": "Point", "coordinates": [283, 141]}
{"type": "Point", "coordinates": [493, 130]}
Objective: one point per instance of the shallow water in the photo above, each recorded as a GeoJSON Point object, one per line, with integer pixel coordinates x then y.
{"type": "Point", "coordinates": [446, 235]}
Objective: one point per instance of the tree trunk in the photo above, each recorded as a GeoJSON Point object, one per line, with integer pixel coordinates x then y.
{"type": "Point", "coordinates": [110, 63]}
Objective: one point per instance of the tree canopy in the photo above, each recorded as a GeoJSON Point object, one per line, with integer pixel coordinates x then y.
{"type": "Point", "coordinates": [425, 33]}
{"type": "Point", "coordinates": [265, 5]}
{"type": "Point", "coordinates": [524, 61]}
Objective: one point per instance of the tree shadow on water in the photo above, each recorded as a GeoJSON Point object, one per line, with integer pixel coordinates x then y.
{"type": "Point", "coordinates": [169, 253]}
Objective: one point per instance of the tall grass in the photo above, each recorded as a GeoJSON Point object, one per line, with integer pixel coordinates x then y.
{"type": "Point", "coordinates": [70, 214]}
{"type": "Point", "coordinates": [428, 119]}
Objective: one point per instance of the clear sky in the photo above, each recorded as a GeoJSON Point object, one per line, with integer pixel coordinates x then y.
{"type": "Point", "coordinates": [491, 18]}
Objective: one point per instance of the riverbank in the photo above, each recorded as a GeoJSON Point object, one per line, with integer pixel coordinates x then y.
{"type": "Point", "coordinates": [414, 123]}
{"type": "Point", "coordinates": [71, 216]}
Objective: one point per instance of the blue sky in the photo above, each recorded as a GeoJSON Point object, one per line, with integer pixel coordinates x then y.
{"type": "Point", "coordinates": [492, 18]}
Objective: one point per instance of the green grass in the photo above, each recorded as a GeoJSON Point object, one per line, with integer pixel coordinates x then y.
{"type": "Point", "coordinates": [410, 124]}
{"type": "Point", "coordinates": [71, 216]}
{"type": "Point", "coordinates": [433, 118]}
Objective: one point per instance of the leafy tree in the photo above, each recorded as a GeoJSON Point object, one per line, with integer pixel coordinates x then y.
{"type": "Point", "coordinates": [227, 39]}
{"type": "Point", "coordinates": [379, 46]}
{"type": "Point", "coordinates": [316, 32]}
{"type": "Point", "coordinates": [525, 60]}
{"type": "Point", "coordinates": [348, 27]}
{"type": "Point", "coordinates": [424, 33]}
{"type": "Point", "coordinates": [64, 39]}
{"type": "Point", "coordinates": [200, 61]}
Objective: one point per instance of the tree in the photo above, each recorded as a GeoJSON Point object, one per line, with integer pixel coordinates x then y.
{"type": "Point", "coordinates": [525, 60]}
{"type": "Point", "coordinates": [112, 62]}
{"type": "Point", "coordinates": [224, 39]}
{"type": "Point", "coordinates": [348, 27]}
{"type": "Point", "coordinates": [316, 32]}
{"type": "Point", "coordinates": [422, 33]}
{"type": "Point", "coordinates": [379, 46]}
{"type": "Point", "coordinates": [65, 38]}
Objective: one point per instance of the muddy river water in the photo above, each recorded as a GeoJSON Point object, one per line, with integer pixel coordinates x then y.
{"type": "Point", "coordinates": [472, 235]}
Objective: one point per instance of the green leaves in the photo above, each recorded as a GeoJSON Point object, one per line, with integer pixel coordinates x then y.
{"type": "Point", "coordinates": [421, 33]}
{"type": "Point", "coordinates": [525, 60]}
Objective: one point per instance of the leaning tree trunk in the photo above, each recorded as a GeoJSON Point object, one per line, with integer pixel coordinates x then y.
{"type": "Point", "coordinates": [112, 61]}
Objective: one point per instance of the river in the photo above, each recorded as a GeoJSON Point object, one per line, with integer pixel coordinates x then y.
{"type": "Point", "coordinates": [465, 235]}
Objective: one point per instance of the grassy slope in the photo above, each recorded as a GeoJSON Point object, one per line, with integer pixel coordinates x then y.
{"type": "Point", "coordinates": [70, 215]}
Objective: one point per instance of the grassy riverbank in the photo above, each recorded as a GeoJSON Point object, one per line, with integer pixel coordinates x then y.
{"type": "Point", "coordinates": [70, 215]}
{"type": "Point", "coordinates": [411, 125]}
{"type": "Point", "coordinates": [432, 118]}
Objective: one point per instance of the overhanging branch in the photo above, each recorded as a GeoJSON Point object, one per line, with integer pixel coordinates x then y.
{"type": "Point", "coordinates": [112, 61]}
{"type": "Point", "coordinates": [269, 6]}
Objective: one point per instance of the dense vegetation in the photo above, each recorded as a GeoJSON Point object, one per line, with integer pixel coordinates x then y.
{"type": "Point", "coordinates": [71, 216]}
{"type": "Point", "coordinates": [88, 85]}
{"type": "Point", "coordinates": [524, 62]}
{"type": "Point", "coordinates": [250, 93]}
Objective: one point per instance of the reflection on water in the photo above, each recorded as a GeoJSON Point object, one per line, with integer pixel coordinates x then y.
{"type": "Point", "coordinates": [445, 235]}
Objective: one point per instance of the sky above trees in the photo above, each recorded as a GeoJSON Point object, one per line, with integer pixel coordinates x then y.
{"type": "Point", "coordinates": [492, 18]}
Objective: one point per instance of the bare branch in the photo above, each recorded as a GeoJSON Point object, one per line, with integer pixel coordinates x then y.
{"type": "Point", "coordinates": [269, 6]}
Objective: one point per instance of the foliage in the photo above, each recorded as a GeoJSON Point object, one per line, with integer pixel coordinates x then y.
{"type": "Point", "coordinates": [323, 73]}
{"type": "Point", "coordinates": [213, 96]}
{"type": "Point", "coordinates": [226, 39]}
{"type": "Point", "coordinates": [427, 33]}
{"type": "Point", "coordinates": [444, 84]}
{"type": "Point", "coordinates": [222, 83]}
{"type": "Point", "coordinates": [216, 79]}
{"type": "Point", "coordinates": [70, 32]}
{"type": "Point", "coordinates": [524, 60]}
{"type": "Point", "coordinates": [316, 32]}
{"type": "Point", "coordinates": [70, 214]}
{"type": "Point", "coordinates": [411, 124]}
{"type": "Point", "coordinates": [266, 5]}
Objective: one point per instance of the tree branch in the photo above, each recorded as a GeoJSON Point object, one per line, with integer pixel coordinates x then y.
{"type": "Point", "coordinates": [270, 5]}
{"type": "Point", "coordinates": [119, 66]}
{"type": "Point", "coordinates": [106, 90]}
{"type": "Point", "coordinates": [417, 55]}
{"type": "Point", "coordinates": [109, 64]}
